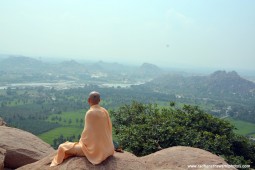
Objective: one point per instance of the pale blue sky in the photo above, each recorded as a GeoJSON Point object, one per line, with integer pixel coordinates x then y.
{"type": "Point", "coordinates": [201, 33]}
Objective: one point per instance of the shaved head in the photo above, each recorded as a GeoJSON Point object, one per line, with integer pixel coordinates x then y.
{"type": "Point", "coordinates": [94, 98]}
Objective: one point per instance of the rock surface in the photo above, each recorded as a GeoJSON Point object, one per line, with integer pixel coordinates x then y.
{"type": "Point", "coordinates": [181, 157]}
{"type": "Point", "coordinates": [174, 158]}
{"type": "Point", "coordinates": [21, 147]}
{"type": "Point", "coordinates": [120, 161]}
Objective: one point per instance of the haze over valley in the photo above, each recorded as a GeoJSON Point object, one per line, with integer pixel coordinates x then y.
{"type": "Point", "coordinates": [221, 93]}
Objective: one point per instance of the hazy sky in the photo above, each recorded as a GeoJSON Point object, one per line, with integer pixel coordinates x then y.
{"type": "Point", "coordinates": [204, 33]}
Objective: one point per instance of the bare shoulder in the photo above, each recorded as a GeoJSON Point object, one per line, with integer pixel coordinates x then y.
{"type": "Point", "coordinates": [89, 112]}
{"type": "Point", "coordinates": [104, 109]}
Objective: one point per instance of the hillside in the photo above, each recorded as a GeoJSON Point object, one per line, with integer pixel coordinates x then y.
{"type": "Point", "coordinates": [112, 68]}
{"type": "Point", "coordinates": [220, 93]}
{"type": "Point", "coordinates": [21, 64]}
{"type": "Point", "coordinates": [147, 70]}
{"type": "Point", "coordinates": [229, 83]}
{"type": "Point", "coordinates": [220, 84]}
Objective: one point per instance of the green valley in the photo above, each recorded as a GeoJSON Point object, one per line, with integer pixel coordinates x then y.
{"type": "Point", "coordinates": [243, 127]}
{"type": "Point", "coordinates": [52, 104]}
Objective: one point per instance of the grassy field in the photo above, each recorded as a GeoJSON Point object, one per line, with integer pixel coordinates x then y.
{"type": "Point", "coordinates": [243, 127]}
{"type": "Point", "coordinates": [49, 136]}
{"type": "Point", "coordinates": [75, 118]}
{"type": "Point", "coordinates": [72, 123]}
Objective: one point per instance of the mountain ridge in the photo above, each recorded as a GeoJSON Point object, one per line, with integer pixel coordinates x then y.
{"type": "Point", "coordinates": [219, 82]}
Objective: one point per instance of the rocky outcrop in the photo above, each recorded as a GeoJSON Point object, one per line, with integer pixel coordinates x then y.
{"type": "Point", "coordinates": [181, 157]}
{"type": "Point", "coordinates": [175, 158]}
{"type": "Point", "coordinates": [120, 161]}
{"type": "Point", "coordinates": [21, 147]}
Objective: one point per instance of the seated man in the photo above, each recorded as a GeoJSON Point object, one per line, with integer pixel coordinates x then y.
{"type": "Point", "coordinates": [96, 139]}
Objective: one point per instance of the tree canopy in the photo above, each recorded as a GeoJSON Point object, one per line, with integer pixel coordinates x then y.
{"type": "Point", "coordinates": [146, 128]}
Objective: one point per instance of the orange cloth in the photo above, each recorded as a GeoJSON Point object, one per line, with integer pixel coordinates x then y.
{"type": "Point", "coordinates": [96, 139]}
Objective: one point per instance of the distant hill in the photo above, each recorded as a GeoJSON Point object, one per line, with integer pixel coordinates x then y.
{"type": "Point", "coordinates": [71, 66]}
{"type": "Point", "coordinates": [27, 69]}
{"type": "Point", "coordinates": [147, 70]}
{"type": "Point", "coordinates": [220, 83]}
{"type": "Point", "coordinates": [223, 82]}
{"type": "Point", "coordinates": [221, 93]}
{"type": "Point", "coordinates": [21, 64]}
{"type": "Point", "coordinates": [110, 67]}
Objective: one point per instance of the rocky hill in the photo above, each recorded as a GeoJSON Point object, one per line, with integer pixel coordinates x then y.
{"type": "Point", "coordinates": [21, 64]}
{"type": "Point", "coordinates": [219, 83]}
{"type": "Point", "coordinates": [21, 150]}
{"type": "Point", "coordinates": [220, 93]}
{"type": "Point", "coordinates": [147, 70]}
{"type": "Point", "coordinates": [222, 82]}
{"type": "Point", "coordinates": [70, 67]}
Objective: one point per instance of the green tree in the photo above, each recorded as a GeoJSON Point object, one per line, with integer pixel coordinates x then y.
{"type": "Point", "coordinates": [146, 128]}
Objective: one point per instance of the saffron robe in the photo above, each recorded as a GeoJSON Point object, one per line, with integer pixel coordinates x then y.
{"type": "Point", "coordinates": [96, 139]}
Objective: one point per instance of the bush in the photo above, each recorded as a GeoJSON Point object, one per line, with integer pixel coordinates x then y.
{"type": "Point", "coordinates": [145, 128]}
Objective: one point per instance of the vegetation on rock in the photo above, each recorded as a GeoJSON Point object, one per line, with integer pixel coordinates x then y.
{"type": "Point", "coordinates": [146, 128]}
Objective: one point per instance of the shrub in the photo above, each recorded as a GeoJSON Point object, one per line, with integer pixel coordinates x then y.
{"type": "Point", "coordinates": [145, 128]}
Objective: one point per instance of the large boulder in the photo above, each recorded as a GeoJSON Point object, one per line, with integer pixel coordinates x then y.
{"type": "Point", "coordinates": [175, 158]}
{"type": "Point", "coordinates": [21, 147]}
{"type": "Point", "coordinates": [181, 157]}
{"type": "Point", "coordinates": [119, 161]}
